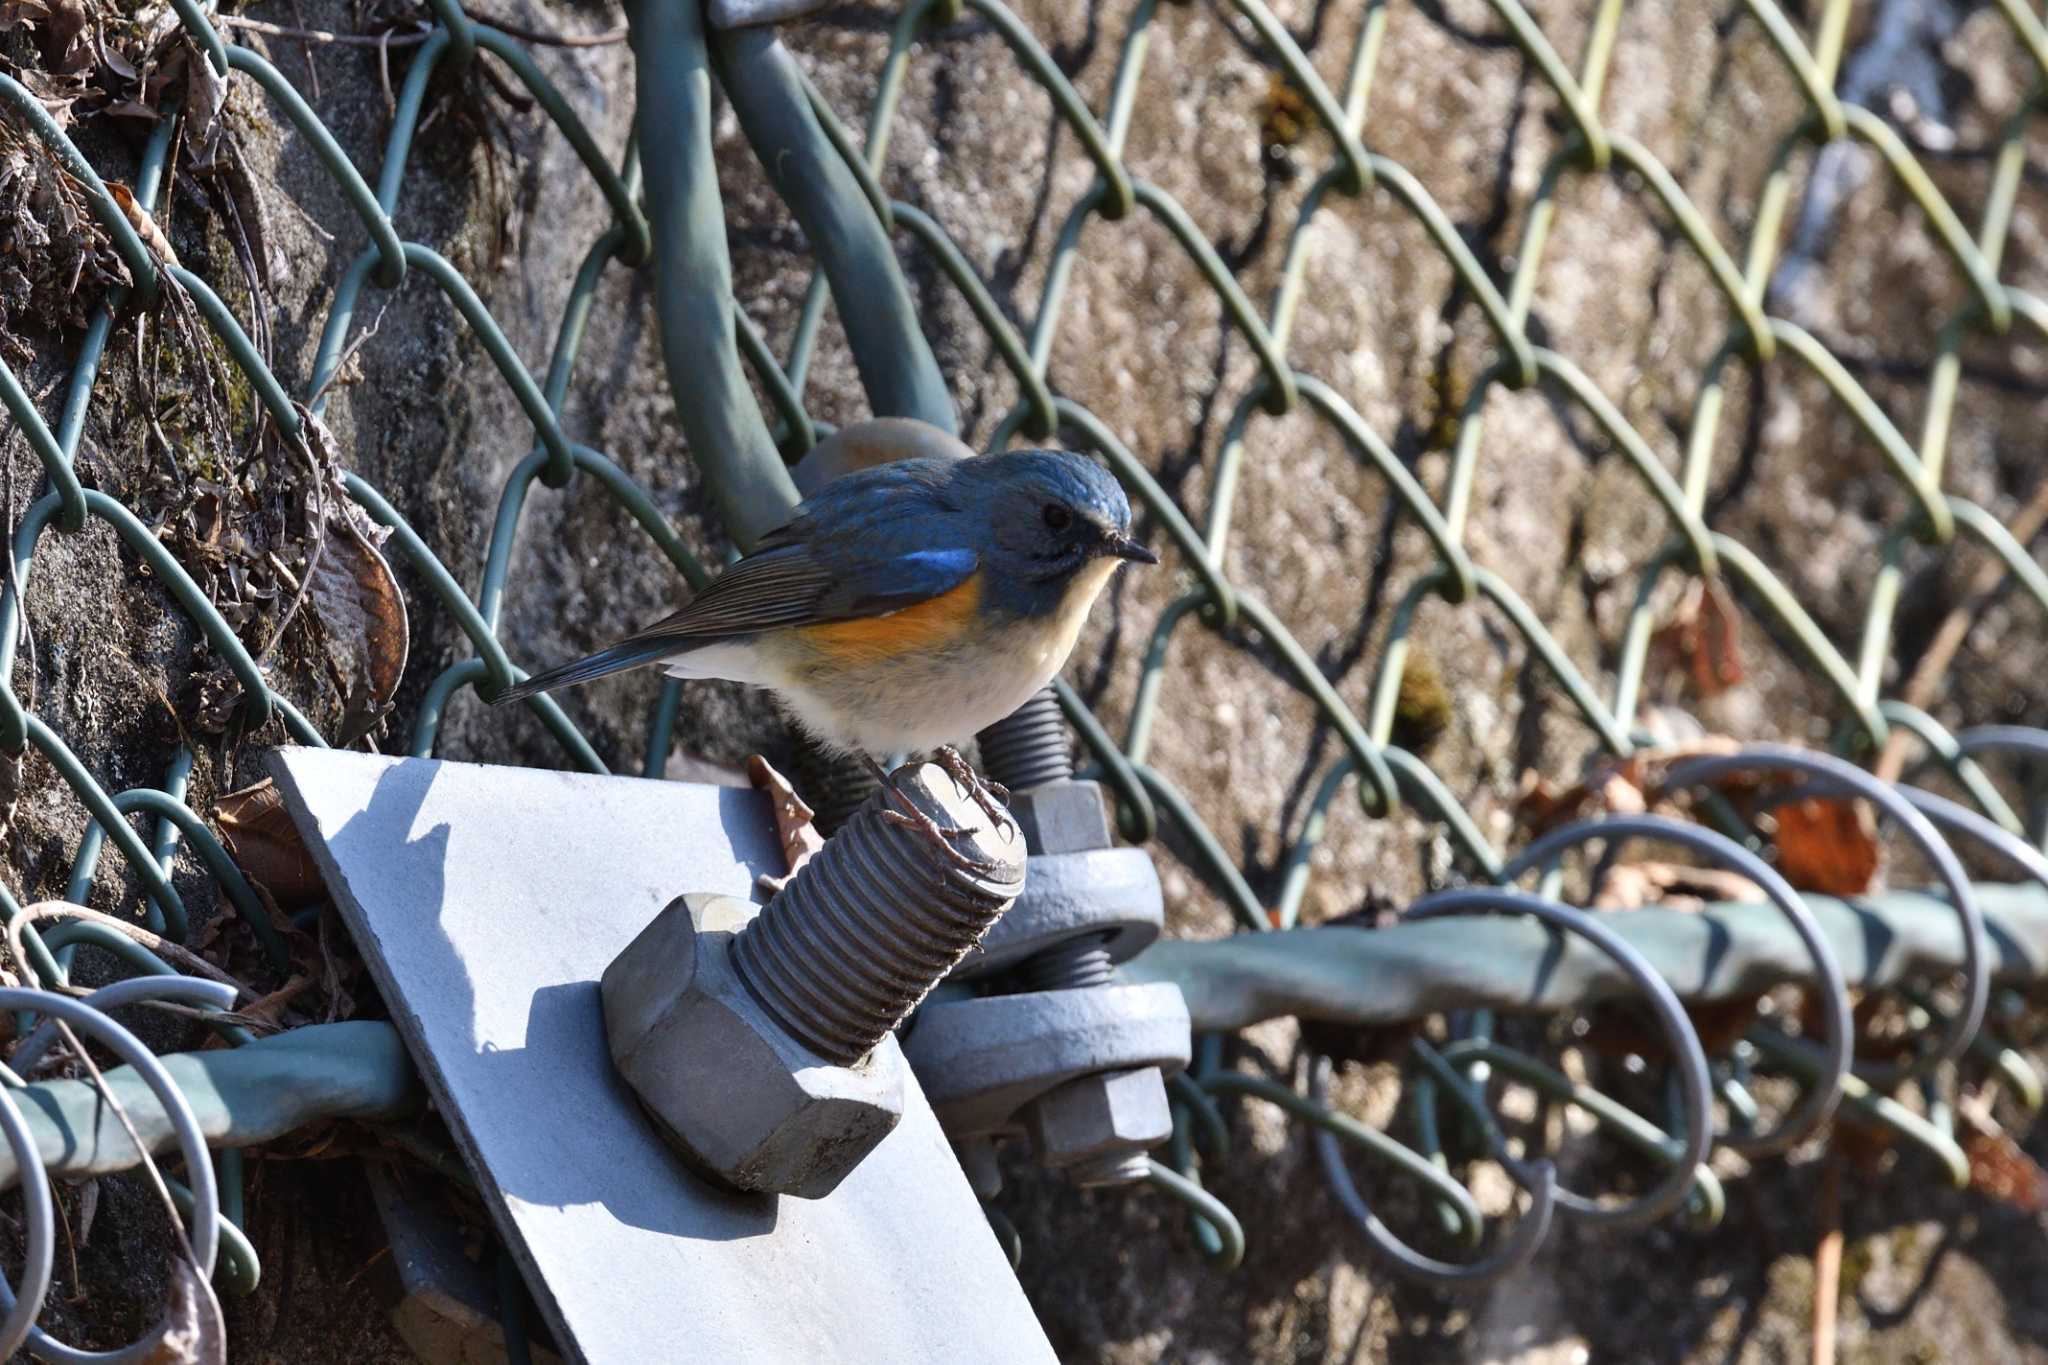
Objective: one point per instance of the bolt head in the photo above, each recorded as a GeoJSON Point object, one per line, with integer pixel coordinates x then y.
{"type": "Point", "coordinates": [1068, 816]}
{"type": "Point", "coordinates": [739, 1099]}
{"type": "Point", "coordinates": [1096, 1116]}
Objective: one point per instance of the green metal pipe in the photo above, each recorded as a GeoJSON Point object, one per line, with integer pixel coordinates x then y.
{"type": "Point", "coordinates": [1408, 971]}
{"type": "Point", "coordinates": [728, 437]}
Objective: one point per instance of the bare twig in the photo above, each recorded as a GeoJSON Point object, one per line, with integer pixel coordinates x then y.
{"type": "Point", "coordinates": [402, 38]}
{"type": "Point", "coordinates": [347, 354]}
{"type": "Point", "coordinates": [384, 77]}
{"type": "Point", "coordinates": [414, 37]}
{"type": "Point", "coordinates": [1827, 1258]}
{"type": "Point", "coordinates": [156, 1177]}
{"type": "Point", "coordinates": [547, 39]}
{"type": "Point", "coordinates": [181, 957]}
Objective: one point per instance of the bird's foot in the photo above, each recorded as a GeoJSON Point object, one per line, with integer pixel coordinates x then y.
{"type": "Point", "coordinates": [907, 814]}
{"type": "Point", "coordinates": [947, 839]}
{"type": "Point", "coordinates": [993, 797]}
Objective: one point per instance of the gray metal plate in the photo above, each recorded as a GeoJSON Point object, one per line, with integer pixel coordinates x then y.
{"type": "Point", "coordinates": [487, 902]}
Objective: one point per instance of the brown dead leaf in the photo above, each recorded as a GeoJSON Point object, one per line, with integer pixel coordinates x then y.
{"type": "Point", "coordinates": [22, 14]}
{"type": "Point", "coordinates": [266, 845]}
{"type": "Point", "coordinates": [194, 1332]}
{"type": "Point", "coordinates": [799, 837]}
{"type": "Point", "coordinates": [270, 1009]}
{"type": "Point", "coordinates": [1674, 886]}
{"type": "Point", "coordinates": [1999, 1168]}
{"type": "Point", "coordinates": [206, 95]}
{"type": "Point", "coordinates": [1704, 637]}
{"type": "Point", "coordinates": [357, 599]}
{"type": "Point", "coordinates": [144, 225]}
{"type": "Point", "coordinates": [1827, 845]}
{"type": "Point", "coordinates": [61, 31]}
{"type": "Point", "coordinates": [1613, 787]}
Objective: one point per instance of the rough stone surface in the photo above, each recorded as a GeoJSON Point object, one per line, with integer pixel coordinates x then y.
{"type": "Point", "coordinates": [1554, 511]}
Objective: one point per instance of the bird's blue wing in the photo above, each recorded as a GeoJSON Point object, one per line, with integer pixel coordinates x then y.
{"type": "Point", "coordinates": [872, 543]}
{"type": "Point", "coordinates": [794, 586]}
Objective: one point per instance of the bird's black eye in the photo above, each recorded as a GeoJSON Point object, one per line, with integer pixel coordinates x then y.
{"type": "Point", "coordinates": [1057, 517]}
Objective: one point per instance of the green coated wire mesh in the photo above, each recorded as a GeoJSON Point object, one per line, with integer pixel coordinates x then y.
{"type": "Point", "coordinates": [1333, 91]}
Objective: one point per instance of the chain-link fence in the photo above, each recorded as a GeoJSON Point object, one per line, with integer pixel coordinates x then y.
{"type": "Point", "coordinates": [1944, 953]}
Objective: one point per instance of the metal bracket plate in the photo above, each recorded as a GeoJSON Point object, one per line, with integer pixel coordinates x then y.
{"type": "Point", "coordinates": [487, 902]}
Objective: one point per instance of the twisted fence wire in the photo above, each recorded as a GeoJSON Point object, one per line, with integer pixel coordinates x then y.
{"type": "Point", "coordinates": [1386, 775]}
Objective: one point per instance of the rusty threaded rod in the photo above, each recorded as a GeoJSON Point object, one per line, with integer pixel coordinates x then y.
{"type": "Point", "coordinates": [878, 917]}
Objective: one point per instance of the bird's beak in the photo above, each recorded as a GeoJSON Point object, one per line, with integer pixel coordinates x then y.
{"type": "Point", "coordinates": [1123, 547]}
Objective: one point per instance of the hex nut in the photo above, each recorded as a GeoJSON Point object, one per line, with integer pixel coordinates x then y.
{"type": "Point", "coordinates": [1068, 816]}
{"type": "Point", "coordinates": [739, 1099]}
{"type": "Point", "coordinates": [1109, 1112]}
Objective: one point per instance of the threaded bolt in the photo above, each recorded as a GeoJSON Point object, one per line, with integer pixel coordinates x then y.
{"type": "Point", "coordinates": [843, 953]}
{"type": "Point", "coordinates": [1072, 966]}
{"type": "Point", "coordinates": [1112, 1168]}
{"type": "Point", "coordinates": [1028, 747]}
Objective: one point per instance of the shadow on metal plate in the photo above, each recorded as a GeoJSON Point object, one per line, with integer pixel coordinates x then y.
{"type": "Point", "coordinates": [487, 902]}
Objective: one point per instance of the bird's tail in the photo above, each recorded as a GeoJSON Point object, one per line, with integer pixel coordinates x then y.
{"type": "Point", "coordinates": [617, 659]}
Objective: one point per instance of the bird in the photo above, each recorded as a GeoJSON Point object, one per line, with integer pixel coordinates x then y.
{"type": "Point", "coordinates": [904, 606]}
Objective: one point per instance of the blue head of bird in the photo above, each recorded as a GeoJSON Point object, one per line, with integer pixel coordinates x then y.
{"type": "Point", "coordinates": [1058, 526]}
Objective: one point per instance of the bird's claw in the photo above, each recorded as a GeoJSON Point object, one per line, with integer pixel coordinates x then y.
{"type": "Point", "coordinates": [945, 838]}
{"type": "Point", "coordinates": [992, 797]}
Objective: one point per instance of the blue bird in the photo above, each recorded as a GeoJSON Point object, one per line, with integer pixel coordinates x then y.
{"type": "Point", "coordinates": [904, 606]}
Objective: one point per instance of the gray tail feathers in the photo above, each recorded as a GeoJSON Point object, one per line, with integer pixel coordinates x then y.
{"type": "Point", "coordinates": [620, 657]}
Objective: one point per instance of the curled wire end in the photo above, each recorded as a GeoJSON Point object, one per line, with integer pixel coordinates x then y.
{"type": "Point", "coordinates": [1410, 1264]}
{"type": "Point", "coordinates": [1208, 1210]}
{"type": "Point", "coordinates": [1827, 770]}
{"type": "Point", "coordinates": [203, 1224]}
{"type": "Point", "coordinates": [1821, 1097]}
{"type": "Point", "coordinates": [1687, 1056]}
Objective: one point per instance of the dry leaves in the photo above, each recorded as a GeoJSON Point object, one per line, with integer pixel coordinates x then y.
{"type": "Point", "coordinates": [356, 596]}
{"type": "Point", "coordinates": [61, 28]}
{"type": "Point", "coordinates": [2001, 1169]}
{"type": "Point", "coordinates": [1675, 886]}
{"type": "Point", "coordinates": [55, 258]}
{"type": "Point", "coordinates": [10, 791]}
{"type": "Point", "coordinates": [233, 540]}
{"type": "Point", "coordinates": [267, 847]}
{"type": "Point", "coordinates": [1827, 845]}
{"type": "Point", "coordinates": [793, 828]}
{"type": "Point", "coordinates": [350, 586]}
{"type": "Point", "coordinates": [194, 1333]}
{"type": "Point", "coordinates": [144, 225]}
{"type": "Point", "coordinates": [1612, 786]}
{"type": "Point", "coordinates": [1703, 638]}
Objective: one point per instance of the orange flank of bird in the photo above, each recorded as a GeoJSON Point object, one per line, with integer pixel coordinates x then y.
{"type": "Point", "coordinates": [931, 624]}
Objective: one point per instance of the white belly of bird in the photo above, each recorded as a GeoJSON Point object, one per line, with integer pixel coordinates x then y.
{"type": "Point", "coordinates": [914, 703]}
